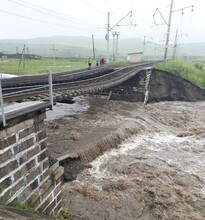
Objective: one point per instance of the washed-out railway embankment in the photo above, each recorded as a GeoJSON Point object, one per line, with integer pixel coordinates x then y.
{"type": "Point", "coordinates": [69, 84]}
{"type": "Point", "coordinates": [131, 83]}
{"type": "Point", "coordinates": [134, 83]}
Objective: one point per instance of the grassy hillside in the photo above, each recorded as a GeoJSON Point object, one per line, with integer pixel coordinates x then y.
{"type": "Point", "coordinates": [68, 46]}
{"type": "Point", "coordinates": [193, 71]}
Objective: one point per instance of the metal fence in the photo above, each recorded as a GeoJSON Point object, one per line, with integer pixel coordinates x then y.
{"type": "Point", "coordinates": [50, 91]}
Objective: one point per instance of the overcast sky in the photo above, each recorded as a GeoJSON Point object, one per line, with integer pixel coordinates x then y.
{"type": "Point", "coordinates": [39, 18]}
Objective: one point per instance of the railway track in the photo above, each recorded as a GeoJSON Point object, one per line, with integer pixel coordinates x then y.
{"type": "Point", "coordinates": [57, 78]}
{"type": "Point", "coordinates": [69, 85]}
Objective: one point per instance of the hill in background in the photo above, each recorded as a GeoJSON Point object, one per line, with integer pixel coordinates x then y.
{"type": "Point", "coordinates": [67, 46]}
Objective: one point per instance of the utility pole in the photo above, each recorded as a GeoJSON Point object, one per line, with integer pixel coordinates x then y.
{"type": "Point", "coordinates": [93, 47]}
{"type": "Point", "coordinates": [116, 51]}
{"type": "Point", "coordinates": [175, 46]}
{"type": "Point", "coordinates": [113, 47]}
{"type": "Point", "coordinates": [107, 37]}
{"type": "Point", "coordinates": [22, 58]}
{"type": "Point", "coordinates": [144, 42]}
{"type": "Point", "coordinates": [168, 32]}
{"type": "Point", "coordinates": [23, 55]}
{"type": "Point", "coordinates": [27, 53]}
{"type": "Point", "coordinates": [169, 24]}
{"type": "Point", "coordinates": [54, 61]}
{"type": "Point", "coordinates": [17, 52]}
{"type": "Point", "coordinates": [155, 50]}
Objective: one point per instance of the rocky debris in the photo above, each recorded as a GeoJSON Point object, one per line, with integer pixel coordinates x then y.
{"type": "Point", "coordinates": [73, 167]}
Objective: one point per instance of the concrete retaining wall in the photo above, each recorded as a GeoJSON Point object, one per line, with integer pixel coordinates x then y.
{"type": "Point", "coordinates": [25, 173]}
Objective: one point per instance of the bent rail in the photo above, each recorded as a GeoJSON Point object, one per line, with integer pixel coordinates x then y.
{"type": "Point", "coordinates": [75, 88]}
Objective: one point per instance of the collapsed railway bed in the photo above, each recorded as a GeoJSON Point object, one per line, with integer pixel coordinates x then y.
{"type": "Point", "coordinates": [130, 83]}
{"type": "Point", "coordinates": [68, 85]}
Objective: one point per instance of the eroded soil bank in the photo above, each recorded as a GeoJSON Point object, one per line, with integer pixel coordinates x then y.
{"type": "Point", "coordinates": [156, 173]}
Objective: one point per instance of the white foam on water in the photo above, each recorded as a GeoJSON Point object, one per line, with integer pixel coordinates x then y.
{"type": "Point", "coordinates": [184, 154]}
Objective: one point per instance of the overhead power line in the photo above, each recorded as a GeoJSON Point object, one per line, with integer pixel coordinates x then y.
{"type": "Point", "coordinates": [94, 8]}
{"type": "Point", "coordinates": [39, 20]}
{"type": "Point", "coordinates": [169, 24]}
{"type": "Point", "coordinates": [49, 12]}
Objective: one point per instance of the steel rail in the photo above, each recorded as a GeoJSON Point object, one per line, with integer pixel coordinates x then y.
{"type": "Point", "coordinates": [84, 86]}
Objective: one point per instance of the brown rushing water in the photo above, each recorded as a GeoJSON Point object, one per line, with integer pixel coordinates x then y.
{"type": "Point", "coordinates": [156, 174]}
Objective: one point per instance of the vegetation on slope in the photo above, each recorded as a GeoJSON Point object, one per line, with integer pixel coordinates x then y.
{"type": "Point", "coordinates": [194, 72]}
{"type": "Point", "coordinates": [44, 65]}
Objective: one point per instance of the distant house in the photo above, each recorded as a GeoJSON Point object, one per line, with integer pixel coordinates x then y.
{"type": "Point", "coordinates": [3, 58]}
{"type": "Point", "coordinates": [134, 57]}
{"type": "Point", "coordinates": [29, 56]}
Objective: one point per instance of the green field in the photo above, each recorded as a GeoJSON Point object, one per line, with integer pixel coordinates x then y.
{"type": "Point", "coordinates": [192, 71]}
{"type": "Point", "coordinates": [44, 65]}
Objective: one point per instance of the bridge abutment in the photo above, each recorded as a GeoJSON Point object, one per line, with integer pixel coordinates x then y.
{"type": "Point", "coordinates": [26, 174]}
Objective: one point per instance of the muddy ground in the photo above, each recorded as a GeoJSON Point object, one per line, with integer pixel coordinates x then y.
{"type": "Point", "coordinates": [157, 172]}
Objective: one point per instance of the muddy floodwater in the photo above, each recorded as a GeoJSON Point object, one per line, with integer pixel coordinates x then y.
{"type": "Point", "coordinates": [158, 172]}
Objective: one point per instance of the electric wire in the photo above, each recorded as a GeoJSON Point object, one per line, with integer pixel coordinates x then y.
{"type": "Point", "coordinates": [41, 21]}
{"type": "Point", "coordinates": [49, 12]}
{"type": "Point", "coordinates": [94, 8]}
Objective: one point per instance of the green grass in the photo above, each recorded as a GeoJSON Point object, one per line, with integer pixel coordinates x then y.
{"type": "Point", "coordinates": [43, 65]}
{"type": "Point", "coordinates": [193, 71]}
{"type": "Point", "coordinates": [24, 206]}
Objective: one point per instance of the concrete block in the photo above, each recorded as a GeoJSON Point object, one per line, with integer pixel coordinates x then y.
{"type": "Point", "coordinates": [54, 167]}
{"type": "Point", "coordinates": [40, 117]}
{"type": "Point", "coordinates": [45, 164]}
{"type": "Point", "coordinates": [45, 203]}
{"type": "Point", "coordinates": [44, 188]}
{"type": "Point", "coordinates": [58, 173]}
{"type": "Point", "coordinates": [5, 184]}
{"type": "Point", "coordinates": [7, 141]}
{"type": "Point", "coordinates": [43, 144]}
{"type": "Point", "coordinates": [30, 165]}
{"type": "Point", "coordinates": [7, 155]}
{"type": "Point", "coordinates": [59, 197]}
{"type": "Point", "coordinates": [50, 208]}
{"type": "Point", "coordinates": [41, 135]}
{"type": "Point", "coordinates": [32, 152]}
{"type": "Point", "coordinates": [6, 198]}
{"type": "Point", "coordinates": [57, 190]}
{"type": "Point", "coordinates": [33, 174]}
{"type": "Point", "coordinates": [26, 132]}
{"type": "Point", "coordinates": [34, 199]}
{"type": "Point", "coordinates": [19, 173]}
{"type": "Point", "coordinates": [23, 145]}
{"type": "Point", "coordinates": [47, 192]}
{"type": "Point", "coordinates": [45, 175]}
{"type": "Point", "coordinates": [8, 168]}
{"type": "Point", "coordinates": [15, 128]}
{"type": "Point", "coordinates": [42, 156]}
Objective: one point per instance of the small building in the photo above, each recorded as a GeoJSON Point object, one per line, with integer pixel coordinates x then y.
{"type": "Point", "coordinates": [3, 58]}
{"type": "Point", "coordinates": [134, 57]}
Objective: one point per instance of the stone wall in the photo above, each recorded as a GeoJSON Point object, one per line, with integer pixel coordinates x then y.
{"type": "Point", "coordinates": [132, 90]}
{"type": "Point", "coordinates": [26, 175]}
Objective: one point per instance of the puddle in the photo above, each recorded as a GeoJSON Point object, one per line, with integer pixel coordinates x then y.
{"type": "Point", "coordinates": [61, 110]}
